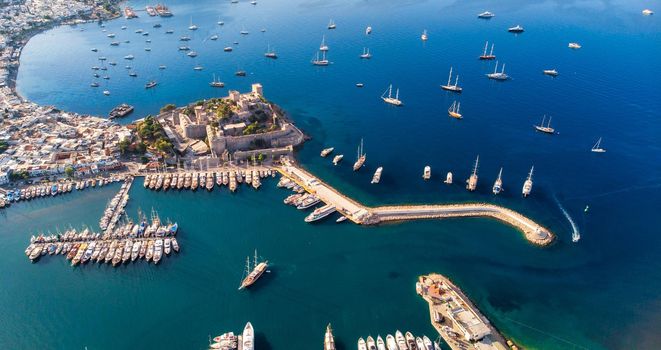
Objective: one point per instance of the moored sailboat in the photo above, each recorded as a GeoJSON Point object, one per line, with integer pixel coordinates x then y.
{"type": "Point", "coordinates": [360, 159]}
{"type": "Point", "coordinates": [453, 88]}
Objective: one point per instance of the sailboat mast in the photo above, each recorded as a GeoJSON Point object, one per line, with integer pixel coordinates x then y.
{"type": "Point", "coordinates": [389, 96]}
{"type": "Point", "coordinates": [495, 68]}
{"type": "Point", "coordinates": [456, 81]}
{"type": "Point", "coordinates": [397, 95]}
{"type": "Point", "coordinates": [450, 76]}
{"type": "Point", "coordinates": [477, 160]}
{"type": "Point", "coordinates": [491, 53]}
{"type": "Point", "coordinates": [485, 48]}
{"type": "Point", "coordinates": [503, 71]}
{"type": "Point", "coordinates": [255, 261]}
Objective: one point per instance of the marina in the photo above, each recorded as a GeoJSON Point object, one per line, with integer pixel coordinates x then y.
{"type": "Point", "coordinates": [127, 243]}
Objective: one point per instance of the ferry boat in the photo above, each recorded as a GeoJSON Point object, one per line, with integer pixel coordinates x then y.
{"type": "Point", "coordinates": [498, 75]}
{"type": "Point", "coordinates": [320, 213]}
{"type": "Point", "coordinates": [329, 341]}
{"type": "Point", "coordinates": [489, 56]}
{"type": "Point", "coordinates": [485, 15]}
{"type": "Point", "coordinates": [216, 83]}
{"type": "Point", "coordinates": [327, 151]}
{"type": "Point", "coordinates": [366, 54]}
{"type": "Point", "coordinates": [448, 178]}
{"type": "Point", "coordinates": [331, 25]}
{"type": "Point", "coordinates": [120, 111]}
{"type": "Point", "coordinates": [515, 29]}
{"type": "Point", "coordinates": [498, 185]}
{"type": "Point", "coordinates": [471, 183]}
{"type": "Point", "coordinates": [424, 36]}
{"type": "Point", "coordinates": [453, 88]}
{"type": "Point", "coordinates": [545, 128]}
{"type": "Point", "coordinates": [551, 72]}
{"type": "Point", "coordinates": [270, 53]}
{"type": "Point", "coordinates": [395, 101]}
{"type": "Point", "coordinates": [252, 276]}
{"type": "Point", "coordinates": [453, 111]}
{"type": "Point", "coordinates": [527, 185]}
{"type": "Point", "coordinates": [377, 175]}
{"type": "Point", "coordinates": [574, 46]}
{"type": "Point", "coordinates": [426, 174]}
{"type": "Point", "coordinates": [337, 159]}
{"type": "Point", "coordinates": [360, 159]}
{"type": "Point", "coordinates": [248, 341]}
{"type": "Point", "coordinates": [597, 147]}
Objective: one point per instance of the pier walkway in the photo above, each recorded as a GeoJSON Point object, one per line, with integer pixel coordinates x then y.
{"type": "Point", "coordinates": [363, 215]}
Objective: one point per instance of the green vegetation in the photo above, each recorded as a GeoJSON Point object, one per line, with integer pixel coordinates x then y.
{"type": "Point", "coordinates": [124, 146]}
{"type": "Point", "coordinates": [151, 134]}
{"type": "Point", "coordinates": [69, 171]}
{"type": "Point", "coordinates": [168, 107]}
{"type": "Point", "coordinates": [3, 146]}
{"type": "Point", "coordinates": [253, 128]}
{"type": "Point", "coordinates": [19, 175]}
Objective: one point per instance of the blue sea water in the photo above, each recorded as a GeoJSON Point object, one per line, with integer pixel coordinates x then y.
{"type": "Point", "coordinates": [602, 292]}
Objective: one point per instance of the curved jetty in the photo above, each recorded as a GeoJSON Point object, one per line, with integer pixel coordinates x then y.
{"type": "Point", "coordinates": [363, 215]}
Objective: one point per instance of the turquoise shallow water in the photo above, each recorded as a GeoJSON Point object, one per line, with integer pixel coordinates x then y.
{"type": "Point", "coordinates": [600, 293]}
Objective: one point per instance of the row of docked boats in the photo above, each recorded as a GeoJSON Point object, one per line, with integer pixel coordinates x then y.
{"type": "Point", "coordinates": [115, 207]}
{"type": "Point", "coordinates": [195, 180]}
{"type": "Point", "coordinates": [398, 342]}
{"type": "Point", "coordinates": [127, 243]}
{"type": "Point", "coordinates": [231, 341]}
{"type": "Point", "coordinates": [302, 200]}
{"type": "Point", "coordinates": [53, 189]}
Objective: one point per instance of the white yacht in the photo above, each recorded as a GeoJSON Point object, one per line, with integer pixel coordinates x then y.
{"type": "Point", "coordinates": [426, 174]}
{"type": "Point", "coordinates": [597, 147]}
{"type": "Point", "coordinates": [248, 337]}
{"type": "Point", "coordinates": [498, 75]}
{"type": "Point", "coordinates": [337, 159]}
{"type": "Point", "coordinates": [424, 36]}
{"type": "Point", "coordinates": [498, 185]}
{"type": "Point", "coordinates": [485, 15]}
{"type": "Point", "coordinates": [377, 175]}
{"type": "Point", "coordinates": [366, 54]}
{"type": "Point", "coordinates": [515, 29]}
{"type": "Point", "coordinates": [192, 26]}
{"type": "Point", "coordinates": [448, 178]}
{"type": "Point", "coordinates": [453, 88]}
{"type": "Point", "coordinates": [574, 46]}
{"type": "Point", "coordinates": [527, 185]}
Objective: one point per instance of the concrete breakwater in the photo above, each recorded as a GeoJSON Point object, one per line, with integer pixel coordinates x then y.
{"type": "Point", "coordinates": [363, 215]}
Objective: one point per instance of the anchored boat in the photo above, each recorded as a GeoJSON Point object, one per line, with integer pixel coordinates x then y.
{"type": "Point", "coordinates": [255, 274]}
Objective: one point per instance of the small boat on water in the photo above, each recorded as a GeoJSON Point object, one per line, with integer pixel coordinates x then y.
{"type": "Point", "coordinates": [361, 344]}
{"type": "Point", "coordinates": [426, 174]}
{"type": "Point", "coordinates": [327, 151]}
{"type": "Point", "coordinates": [498, 185]}
{"type": "Point", "coordinates": [368, 30]}
{"type": "Point", "coordinates": [320, 61]}
{"type": "Point", "coordinates": [228, 49]}
{"type": "Point", "coordinates": [545, 128]}
{"type": "Point", "coordinates": [424, 36]}
{"type": "Point", "coordinates": [647, 12]}
{"type": "Point", "coordinates": [453, 88]}
{"type": "Point", "coordinates": [270, 53]}
{"type": "Point", "coordinates": [597, 147]}
{"type": "Point", "coordinates": [377, 175]}
{"type": "Point", "coordinates": [361, 157]}
{"type": "Point", "coordinates": [574, 46]}
{"type": "Point", "coordinates": [216, 83]}
{"type": "Point", "coordinates": [329, 341]}
{"type": "Point", "coordinates": [320, 213]}
{"type": "Point", "coordinates": [359, 85]}
{"type": "Point", "coordinates": [192, 26]}
{"type": "Point", "coordinates": [453, 111]}
{"type": "Point", "coordinates": [448, 178]}
{"type": "Point", "coordinates": [515, 29]}
{"type": "Point", "coordinates": [551, 72]}
{"type": "Point", "coordinates": [150, 84]}
{"type": "Point", "coordinates": [248, 339]}
{"type": "Point", "coordinates": [485, 15]}
{"type": "Point", "coordinates": [337, 159]}
{"type": "Point", "coordinates": [527, 185]}
{"type": "Point", "coordinates": [331, 25]}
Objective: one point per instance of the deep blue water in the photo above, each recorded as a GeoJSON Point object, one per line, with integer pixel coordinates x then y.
{"type": "Point", "coordinates": [602, 292]}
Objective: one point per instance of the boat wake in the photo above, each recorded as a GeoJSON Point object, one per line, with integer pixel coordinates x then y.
{"type": "Point", "coordinates": [576, 234]}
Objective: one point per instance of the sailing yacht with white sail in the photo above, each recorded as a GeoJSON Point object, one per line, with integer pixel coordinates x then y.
{"type": "Point", "coordinates": [323, 46]}
{"type": "Point", "coordinates": [395, 101]}
{"type": "Point", "coordinates": [597, 147]}
{"type": "Point", "coordinates": [192, 26]}
{"type": "Point", "coordinates": [360, 159]}
{"type": "Point", "coordinates": [453, 88]}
